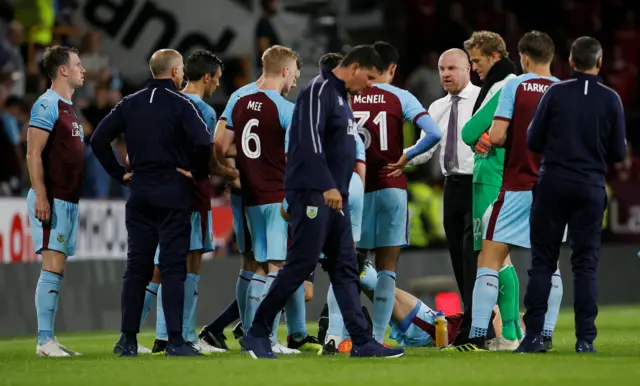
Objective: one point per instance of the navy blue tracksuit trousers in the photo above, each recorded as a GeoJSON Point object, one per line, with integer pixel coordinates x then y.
{"type": "Point", "coordinates": [317, 228]}
{"type": "Point", "coordinates": [147, 227]}
{"type": "Point", "coordinates": [556, 203]}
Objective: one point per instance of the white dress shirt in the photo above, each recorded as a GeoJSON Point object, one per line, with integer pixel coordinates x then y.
{"type": "Point", "coordinates": [440, 111]}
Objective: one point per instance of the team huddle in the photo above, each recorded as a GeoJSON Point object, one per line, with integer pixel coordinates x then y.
{"type": "Point", "coordinates": [261, 144]}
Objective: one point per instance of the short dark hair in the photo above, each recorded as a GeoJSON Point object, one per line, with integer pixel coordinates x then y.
{"type": "Point", "coordinates": [298, 61]}
{"type": "Point", "coordinates": [330, 61]}
{"type": "Point", "coordinates": [201, 63]}
{"type": "Point", "coordinates": [388, 54]}
{"type": "Point", "coordinates": [54, 57]}
{"type": "Point", "coordinates": [585, 53]}
{"type": "Point", "coordinates": [538, 46]}
{"type": "Point", "coordinates": [364, 55]}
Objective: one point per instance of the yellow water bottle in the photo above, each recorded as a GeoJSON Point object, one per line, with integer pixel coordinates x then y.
{"type": "Point", "coordinates": [442, 334]}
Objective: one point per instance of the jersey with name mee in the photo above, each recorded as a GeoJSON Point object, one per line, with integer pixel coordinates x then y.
{"type": "Point", "coordinates": [518, 102]}
{"type": "Point", "coordinates": [380, 112]}
{"type": "Point", "coordinates": [63, 155]}
{"type": "Point", "coordinates": [233, 99]}
{"type": "Point", "coordinates": [259, 121]}
{"type": "Point", "coordinates": [204, 190]}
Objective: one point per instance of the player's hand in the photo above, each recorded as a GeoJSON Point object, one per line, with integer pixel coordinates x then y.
{"type": "Point", "coordinates": [127, 177]}
{"type": "Point", "coordinates": [185, 173]}
{"type": "Point", "coordinates": [333, 199]}
{"type": "Point", "coordinates": [229, 173]}
{"type": "Point", "coordinates": [398, 167]}
{"type": "Point", "coordinates": [235, 184]}
{"type": "Point", "coordinates": [308, 291]}
{"type": "Point", "coordinates": [484, 144]}
{"type": "Point", "coordinates": [284, 214]}
{"type": "Point", "coordinates": [42, 208]}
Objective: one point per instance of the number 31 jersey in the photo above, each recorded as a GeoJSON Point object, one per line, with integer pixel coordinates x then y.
{"type": "Point", "coordinates": [259, 121]}
{"type": "Point", "coordinates": [380, 112]}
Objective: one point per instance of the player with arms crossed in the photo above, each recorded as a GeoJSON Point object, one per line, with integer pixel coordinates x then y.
{"type": "Point", "coordinates": [506, 222]}
{"type": "Point", "coordinates": [380, 112]}
{"type": "Point", "coordinates": [55, 143]}
{"type": "Point", "coordinates": [203, 71]}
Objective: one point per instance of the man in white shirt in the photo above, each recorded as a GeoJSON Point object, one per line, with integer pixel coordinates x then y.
{"type": "Point", "coordinates": [456, 161]}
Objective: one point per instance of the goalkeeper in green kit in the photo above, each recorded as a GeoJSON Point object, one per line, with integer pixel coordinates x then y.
{"type": "Point", "coordinates": [488, 55]}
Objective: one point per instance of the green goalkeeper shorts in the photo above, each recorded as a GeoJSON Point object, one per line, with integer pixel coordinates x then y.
{"type": "Point", "coordinates": [483, 196]}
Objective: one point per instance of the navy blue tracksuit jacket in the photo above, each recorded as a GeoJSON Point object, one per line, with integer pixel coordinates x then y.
{"type": "Point", "coordinates": [322, 152]}
{"type": "Point", "coordinates": [579, 127]}
{"type": "Point", "coordinates": [163, 131]}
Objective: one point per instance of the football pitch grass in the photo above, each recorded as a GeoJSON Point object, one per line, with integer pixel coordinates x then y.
{"type": "Point", "coordinates": [616, 363]}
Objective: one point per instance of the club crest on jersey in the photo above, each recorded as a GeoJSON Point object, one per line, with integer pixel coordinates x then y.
{"type": "Point", "coordinates": [60, 238]}
{"type": "Point", "coordinates": [77, 130]}
{"type": "Point", "coordinates": [351, 128]}
{"type": "Point", "coordinates": [312, 212]}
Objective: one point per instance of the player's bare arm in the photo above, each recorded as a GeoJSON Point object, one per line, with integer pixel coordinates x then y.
{"type": "Point", "coordinates": [498, 132]}
{"type": "Point", "coordinates": [36, 142]}
{"type": "Point", "coordinates": [361, 170]}
{"type": "Point", "coordinates": [222, 141]}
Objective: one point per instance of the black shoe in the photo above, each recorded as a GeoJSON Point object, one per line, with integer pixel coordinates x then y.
{"type": "Point", "coordinates": [215, 339]}
{"type": "Point", "coordinates": [159, 346]}
{"type": "Point", "coordinates": [531, 344]}
{"type": "Point", "coordinates": [548, 342]}
{"type": "Point", "coordinates": [238, 331]}
{"type": "Point", "coordinates": [119, 345]}
{"type": "Point", "coordinates": [129, 350]}
{"type": "Point", "coordinates": [582, 346]}
{"type": "Point", "coordinates": [184, 350]}
{"type": "Point", "coordinates": [471, 344]}
{"type": "Point", "coordinates": [309, 343]}
{"type": "Point", "coordinates": [323, 323]}
{"type": "Point", "coordinates": [329, 348]}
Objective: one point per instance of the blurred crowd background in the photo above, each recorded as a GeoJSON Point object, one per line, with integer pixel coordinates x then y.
{"type": "Point", "coordinates": [420, 29]}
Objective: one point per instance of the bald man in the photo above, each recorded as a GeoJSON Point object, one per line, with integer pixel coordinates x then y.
{"type": "Point", "coordinates": [165, 134]}
{"type": "Point", "coordinates": [456, 161]}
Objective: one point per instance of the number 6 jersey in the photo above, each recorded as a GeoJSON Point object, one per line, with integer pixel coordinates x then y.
{"type": "Point", "coordinates": [259, 121]}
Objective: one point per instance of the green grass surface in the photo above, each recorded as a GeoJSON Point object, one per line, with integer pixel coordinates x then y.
{"type": "Point", "coordinates": [616, 363]}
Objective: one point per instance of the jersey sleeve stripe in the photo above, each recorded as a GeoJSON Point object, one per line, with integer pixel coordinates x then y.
{"type": "Point", "coordinates": [318, 119]}
{"type": "Point", "coordinates": [418, 117]}
{"type": "Point", "coordinates": [41, 128]}
{"type": "Point", "coordinates": [193, 107]}
{"type": "Point", "coordinates": [222, 119]}
{"type": "Point", "coordinates": [502, 119]}
{"type": "Point", "coordinates": [361, 161]}
{"type": "Point", "coordinates": [311, 125]}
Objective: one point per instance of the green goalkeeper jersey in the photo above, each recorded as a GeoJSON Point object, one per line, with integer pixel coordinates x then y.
{"type": "Point", "coordinates": [487, 167]}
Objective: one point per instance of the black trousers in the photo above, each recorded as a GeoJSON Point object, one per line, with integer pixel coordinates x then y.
{"type": "Point", "coordinates": [458, 227]}
{"type": "Point", "coordinates": [149, 227]}
{"type": "Point", "coordinates": [317, 228]}
{"type": "Point", "coordinates": [557, 203]}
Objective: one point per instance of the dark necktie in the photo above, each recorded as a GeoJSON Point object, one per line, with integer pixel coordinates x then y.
{"type": "Point", "coordinates": [451, 147]}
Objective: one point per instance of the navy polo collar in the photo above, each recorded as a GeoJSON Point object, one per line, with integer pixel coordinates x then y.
{"type": "Point", "coordinates": [335, 82]}
{"type": "Point", "coordinates": [167, 83]}
{"type": "Point", "coordinates": [582, 75]}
